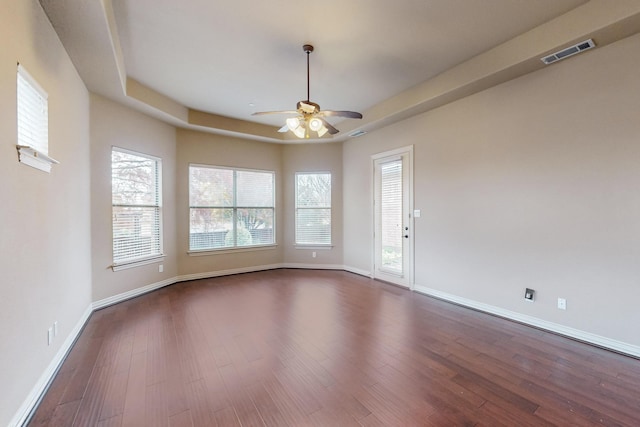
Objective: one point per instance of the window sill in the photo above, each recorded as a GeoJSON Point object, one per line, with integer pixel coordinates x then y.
{"type": "Point", "coordinates": [136, 263]}
{"type": "Point", "coordinates": [34, 158]}
{"type": "Point", "coordinates": [207, 252]}
{"type": "Point", "coordinates": [315, 247]}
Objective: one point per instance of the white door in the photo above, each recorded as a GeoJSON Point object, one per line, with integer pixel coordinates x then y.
{"type": "Point", "coordinates": [393, 222]}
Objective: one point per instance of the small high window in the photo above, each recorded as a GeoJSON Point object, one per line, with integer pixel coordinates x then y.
{"type": "Point", "coordinates": [33, 122]}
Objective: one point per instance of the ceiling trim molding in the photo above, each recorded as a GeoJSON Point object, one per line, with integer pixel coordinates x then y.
{"type": "Point", "coordinates": [603, 21]}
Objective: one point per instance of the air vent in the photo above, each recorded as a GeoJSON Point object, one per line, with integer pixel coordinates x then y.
{"type": "Point", "coordinates": [570, 51]}
{"type": "Point", "coordinates": [357, 133]}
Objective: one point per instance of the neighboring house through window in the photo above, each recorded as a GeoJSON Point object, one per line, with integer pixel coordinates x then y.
{"type": "Point", "coordinates": [313, 209]}
{"type": "Point", "coordinates": [137, 207]}
{"type": "Point", "coordinates": [230, 208]}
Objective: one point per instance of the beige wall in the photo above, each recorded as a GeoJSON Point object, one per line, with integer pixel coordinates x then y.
{"type": "Point", "coordinates": [312, 158]}
{"type": "Point", "coordinates": [533, 183]}
{"type": "Point", "coordinates": [202, 148]}
{"type": "Point", "coordinates": [45, 217]}
{"type": "Point", "coordinates": [115, 125]}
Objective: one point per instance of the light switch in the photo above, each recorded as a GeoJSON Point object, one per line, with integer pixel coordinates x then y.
{"type": "Point", "coordinates": [416, 213]}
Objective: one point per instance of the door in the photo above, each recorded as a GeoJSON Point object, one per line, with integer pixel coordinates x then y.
{"type": "Point", "coordinates": [393, 222]}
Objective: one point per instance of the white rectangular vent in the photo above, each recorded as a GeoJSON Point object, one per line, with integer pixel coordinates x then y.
{"type": "Point", "coordinates": [357, 133]}
{"type": "Point", "coordinates": [569, 51]}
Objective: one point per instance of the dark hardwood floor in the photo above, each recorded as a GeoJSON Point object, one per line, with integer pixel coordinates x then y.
{"type": "Point", "coordinates": [327, 348]}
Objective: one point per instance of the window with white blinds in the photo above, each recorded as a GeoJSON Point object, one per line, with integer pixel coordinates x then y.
{"type": "Point", "coordinates": [391, 215]}
{"type": "Point", "coordinates": [230, 208]}
{"type": "Point", "coordinates": [33, 113]}
{"type": "Point", "coordinates": [313, 208]}
{"type": "Point", "coordinates": [137, 208]}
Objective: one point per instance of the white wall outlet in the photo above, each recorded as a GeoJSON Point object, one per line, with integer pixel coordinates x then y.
{"type": "Point", "coordinates": [50, 335]}
{"type": "Point", "coordinates": [160, 268]}
{"type": "Point", "coordinates": [313, 254]}
{"type": "Point", "coordinates": [562, 303]}
{"type": "Point", "coordinates": [55, 328]}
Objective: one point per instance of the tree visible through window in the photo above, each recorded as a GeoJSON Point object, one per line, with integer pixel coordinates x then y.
{"type": "Point", "coordinates": [135, 183]}
{"type": "Point", "coordinates": [313, 208]}
{"type": "Point", "coordinates": [230, 208]}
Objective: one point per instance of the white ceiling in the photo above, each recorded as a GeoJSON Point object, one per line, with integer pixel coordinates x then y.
{"type": "Point", "coordinates": [220, 56]}
{"type": "Point", "coordinates": [232, 58]}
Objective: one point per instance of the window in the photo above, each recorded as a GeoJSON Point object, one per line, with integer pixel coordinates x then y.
{"type": "Point", "coordinates": [137, 214]}
{"type": "Point", "coordinates": [33, 122]}
{"type": "Point", "coordinates": [230, 208]}
{"type": "Point", "coordinates": [391, 216]}
{"type": "Point", "coordinates": [313, 209]}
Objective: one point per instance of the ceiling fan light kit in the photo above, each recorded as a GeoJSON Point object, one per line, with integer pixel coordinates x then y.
{"type": "Point", "coordinates": [309, 118]}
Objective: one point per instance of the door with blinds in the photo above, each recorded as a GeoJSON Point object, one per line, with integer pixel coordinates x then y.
{"type": "Point", "coordinates": [393, 222]}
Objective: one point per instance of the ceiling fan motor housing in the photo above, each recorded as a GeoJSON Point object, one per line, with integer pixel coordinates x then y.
{"type": "Point", "coordinates": [308, 107]}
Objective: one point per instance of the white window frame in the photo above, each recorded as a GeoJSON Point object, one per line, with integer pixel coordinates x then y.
{"type": "Point", "coordinates": [234, 207]}
{"type": "Point", "coordinates": [125, 263]}
{"type": "Point", "coordinates": [314, 245]}
{"type": "Point", "coordinates": [32, 122]}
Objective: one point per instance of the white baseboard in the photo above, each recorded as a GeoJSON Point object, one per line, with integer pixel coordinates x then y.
{"type": "Point", "coordinates": [597, 340]}
{"type": "Point", "coordinates": [196, 276]}
{"type": "Point", "coordinates": [312, 266]}
{"type": "Point", "coordinates": [358, 271]}
{"type": "Point", "coordinates": [38, 390]}
{"type": "Point", "coordinates": [205, 275]}
{"type": "Point", "coordinates": [209, 274]}
{"type": "Point", "coordinates": [97, 305]}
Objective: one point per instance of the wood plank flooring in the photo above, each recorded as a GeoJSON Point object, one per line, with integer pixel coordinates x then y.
{"type": "Point", "coordinates": [327, 348]}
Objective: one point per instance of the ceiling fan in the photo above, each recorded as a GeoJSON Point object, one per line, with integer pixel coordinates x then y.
{"type": "Point", "coordinates": [308, 116]}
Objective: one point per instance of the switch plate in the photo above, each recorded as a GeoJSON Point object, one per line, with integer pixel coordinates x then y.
{"type": "Point", "coordinates": [55, 328]}
{"type": "Point", "coordinates": [160, 268]}
{"type": "Point", "coordinates": [562, 303]}
{"type": "Point", "coordinates": [416, 213]}
{"type": "Point", "coordinates": [50, 335]}
{"type": "Point", "coordinates": [313, 254]}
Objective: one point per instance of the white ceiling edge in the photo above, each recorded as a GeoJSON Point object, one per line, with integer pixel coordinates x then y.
{"type": "Point", "coordinates": [604, 22]}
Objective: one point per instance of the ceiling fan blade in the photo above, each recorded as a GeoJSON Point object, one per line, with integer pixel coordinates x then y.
{"type": "Point", "coordinates": [283, 129]}
{"type": "Point", "coordinates": [349, 114]}
{"type": "Point", "coordinates": [329, 127]}
{"type": "Point", "coordinates": [262, 113]}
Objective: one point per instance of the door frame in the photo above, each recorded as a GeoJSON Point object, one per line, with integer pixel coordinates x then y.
{"type": "Point", "coordinates": [408, 278]}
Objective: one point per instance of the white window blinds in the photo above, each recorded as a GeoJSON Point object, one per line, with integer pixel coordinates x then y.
{"type": "Point", "coordinates": [313, 208]}
{"type": "Point", "coordinates": [33, 113]}
{"type": "Point", "coordinates": [136, 199]}
{"type": "Point", "coordinates": [230, 208]}
{"type": "Point", "coordinates": [391, 215]}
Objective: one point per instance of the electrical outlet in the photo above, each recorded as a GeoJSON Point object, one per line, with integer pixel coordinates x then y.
{"type": "Point", "coordinates": [529, 294]}
{"type": "Point", "coordinates": [160, 268]}
{"type": "Point", "coordinates": [313, 254]}
{"type": "Point", "coordinates": [50, 335]}
{"type": "Point", "coordinates": [562, 303]}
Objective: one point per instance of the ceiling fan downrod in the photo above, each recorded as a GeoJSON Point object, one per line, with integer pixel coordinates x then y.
{"type": "Point", "coordinates": [308, 49]}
